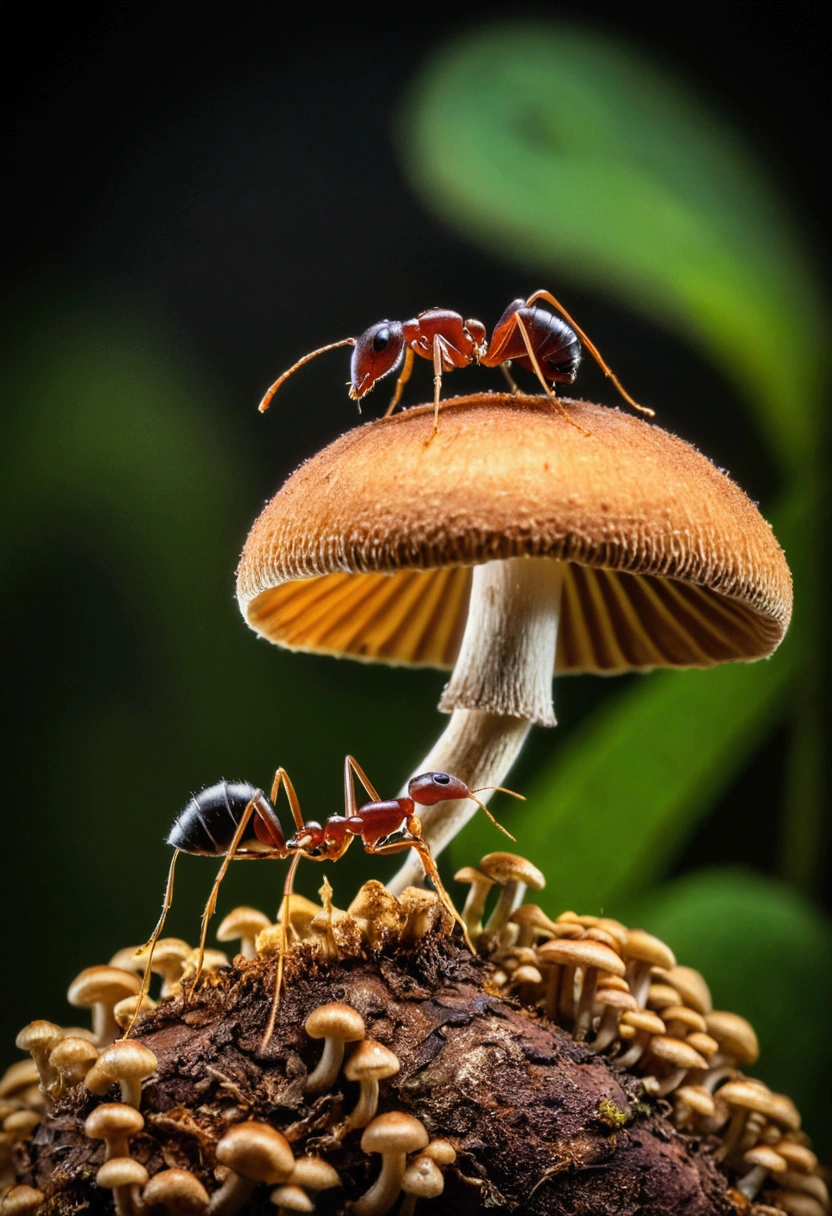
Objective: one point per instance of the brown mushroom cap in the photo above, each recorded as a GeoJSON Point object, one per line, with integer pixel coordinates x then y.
{"type": "Point", "coordinates": [669, 563]}
{"type": "Point", "coordinates": [256, 1151]}
{"type": "Point", "coordinates": [736, 1036]}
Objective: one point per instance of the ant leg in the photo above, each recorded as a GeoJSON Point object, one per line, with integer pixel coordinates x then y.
{"type": "Point", "coordinates": [512, 383]}
{"type": "Point", "coordinates": [405, 375]}
{"type": "Point", "coordinates": [281, 777]}
{"type": "Point", "coordinates": [267, 397]}
{"type": "Point", "coordinates": [212, 898]}
{"type": "Point", "coordinates": [151, 943]}
{"type": "Point", "coordinates": [287, 896]}
{"type": "Point", "coordinates": [550, 392]}
{"type": "Point", "coordinates": [437, 382]}
{"type": "Point", "coordinates": [593, 350]}
{"type": "Point", "coordinates": [351, 766]}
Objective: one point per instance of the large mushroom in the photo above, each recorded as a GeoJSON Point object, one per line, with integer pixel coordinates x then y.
{"type": "Point", "coordinates": [512, 546]}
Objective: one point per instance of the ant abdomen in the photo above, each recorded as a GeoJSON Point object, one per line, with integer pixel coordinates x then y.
{"type": "Point", "coordinates": [207, 823]}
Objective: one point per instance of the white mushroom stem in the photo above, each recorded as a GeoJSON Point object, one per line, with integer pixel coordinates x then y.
{"type": "Point", "coordinates": [232, 1195]}
{"type": "Point", "coordinates": [386, 1189]}
{"type": "Point", "coordinates": [501, 685]}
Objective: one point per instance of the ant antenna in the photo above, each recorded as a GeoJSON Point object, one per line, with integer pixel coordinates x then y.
{"type": "Point", "coordinates": [593, 350]}
{"type": "Point", "coordinates": [284, 930]}
{"type": "Point", "coordinates": [500, 789]}
{"type": "Point", "coordinates": [264, 404]}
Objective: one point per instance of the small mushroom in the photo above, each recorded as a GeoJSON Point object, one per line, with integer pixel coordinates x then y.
{"type": "Point", "coordinates": [125, 1178]}
{"type": "Point", "coordinates": [314, 1174]}
{"type": "Point", "coordinates": [394, 1135]}
{"type": "Point", "coordinates": [423, 911]}
{"type": "Point", "coordinates": [737, 1040]}
{"type": "Point", "coordinates": [102, 988]}
{"type": "Point", "coordinates": [114, 1122]}
{"type": "Point", "coordinates": [125, 1012]}
{"type": "Point", "coordinates": [337, 1024]}
{"type": "Point", "coordinates": [678, 1055]}
{"type": "Point", "coordinates": [590, 958]}
{"type": "Point", "coordinates": [179, 1192]}
{"type": "Point", "coordinates": [534, 924]}
{"type": "Point", "coordinates": [242, 925]}
{"type": "Point", "coordinates": [127, 1062]}
{"type": "Point", "coordinates": [474, 908]}
{"type": "Point", "coordinates": [644, 1024]}
{"type": "Point", "coordinates": [442, 1152]}
{"type": "Point", "coordinates": [762, 1161]}
{"type": "Point", "coordinates": [72, 1059]}
{"type": "Point", "coordinates": [253, 1152]}
{"type": "Point", "coordinates": [690, 985]}
{"type": "Point", "coordinates": [692, 1100]}
{"type": "Point", "coordinates": [745, 1098]}
{"type": "Point", "coordinates": [613, 1003]}
{"type": "Point", "coordinates": [421, 1180]}
{"type": "Point", "coordinates": [643, 952]}
{"type": "Point", "coordinates": [515, 875]}
{"type": "Point", "coordinates": [39, 1038]}
{"type": "Point", "coordinates": [291, 1199]}
{"type": "Point", "coordinates": [212, 961]}
{"type": "Point", "coordinates": [21, 1201]}
{"type": "Point", "coordinates": [370, 1063]}
{"type": "Point", "coordinates": [376, 912]}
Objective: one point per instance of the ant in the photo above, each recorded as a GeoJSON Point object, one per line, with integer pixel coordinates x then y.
{"type": "Point", "coordinates": [233, 819]}
{"type": "Point", "coordinates": [525, 334]}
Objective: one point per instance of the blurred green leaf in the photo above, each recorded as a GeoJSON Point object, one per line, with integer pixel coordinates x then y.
{"type": "Point", "coordinates": [767, 954]}
{"type": "Point", "coordinates": [564, 149]}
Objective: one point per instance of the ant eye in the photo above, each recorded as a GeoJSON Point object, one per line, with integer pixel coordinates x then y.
{"type": "Point", "coordinates": [381, 339]}
{"type": "Point", "coordinates": [441, 778]}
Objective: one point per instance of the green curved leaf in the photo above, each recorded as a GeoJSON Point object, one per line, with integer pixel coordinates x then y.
{"type": "Point", "coordinates": [563, 149]}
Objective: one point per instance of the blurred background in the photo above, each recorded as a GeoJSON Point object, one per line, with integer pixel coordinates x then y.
{"type": "Point", "coordinates": [191, 206]}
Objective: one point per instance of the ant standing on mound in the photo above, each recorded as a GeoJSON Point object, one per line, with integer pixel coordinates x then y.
{"type": "Point", "coordinates": [233, 819]}
{"type": "Point", "coordinates": [525, 334]}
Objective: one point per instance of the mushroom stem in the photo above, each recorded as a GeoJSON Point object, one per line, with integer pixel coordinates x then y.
{"type": "Point", "coordinates": [502, 683]}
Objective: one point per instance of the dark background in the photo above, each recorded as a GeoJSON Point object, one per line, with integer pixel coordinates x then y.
{"type": "Point", "coordinates": [193, 200]}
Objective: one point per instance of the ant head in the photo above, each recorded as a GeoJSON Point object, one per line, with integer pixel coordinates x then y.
{"type": "Point", "coordinates": [377, 352]}
{"type": "Point", "coordinates": [430, 788]}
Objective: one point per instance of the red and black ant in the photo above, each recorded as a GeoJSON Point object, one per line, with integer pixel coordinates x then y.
{"type": "Point", "coordinates": [233, 819]}
{"type": "Point", "coordinates": [525, 334]}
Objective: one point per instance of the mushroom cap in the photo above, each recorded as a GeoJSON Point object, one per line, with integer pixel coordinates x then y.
{"type": "Point", "coordinates": [509, 867]}
{"type": "Point", "coordinates": [22, 1200]}
{"type": "Point", "coordinates": [734, 1034]}
{"type": "Point", "coordinates": [582, 953]}
{"type": "Point", "coordinates": [126, 1058]}
{"type": "Point", "coordinates": [73, 1051]}
{"type": "Point", "coordinates": [335, 1019]}
{"type": "Point", "coordinates": [95, 984]}
{"type": "Point", "coordinates": [643, 1019]}
{"type": "Point", "coordinates": [242, 922]}
{"type": "Point", "coordinates": [257, 1152]}
{"type": "Point", "coordinates": [697, 1098]}
{"type": "Point", "coordinates": [314, 1173]}
{"type": "Point", "coordinates": [684, 1016]}
{"type": "Point", "coordinates": [292, 1199]}
{"type": "Point", "coordinates": [649, 949]}
{"type": "Point", "coordinates": [121, 1171]}
{"type": "Point", "coordinates": [177, 1191]}
{"type": "Point", "coordinates": [754, 1097]}
{"type": "Point", "coordinates": [113, 1119]}
{"type": "Point", "coordinates": [394, 1132]}
{"type": "Point", "coordinates": [676, 1052]}
{"type": "Point", "coordinates": [39, 1037]}
{"type": "Point", "coordinates": [762, 1155]}
{"type": "Point", "coordinates": [669, 563]}
{"type": "Point", "coordinates": [371, 1061]}
{"type": "Point", "coordinates": [423, 1178]}
{"type": "Point", "coordinates": [691, 987]}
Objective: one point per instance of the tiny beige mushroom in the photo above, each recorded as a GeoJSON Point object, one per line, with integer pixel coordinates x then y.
{"type": "Point", "coordinates": [690, 1101]}
{"type": "Point", "coordinates": [589, 958]}
{"type": "Point", "coordinates": [21, 1201]}
{"type": "Point", "coordinates": [114, 1122]}
{"type": "Point", "coordinates": [761, 1161]}
{"type": "Point", "coordinates": [423, 911]}
{"type": "Point", "coordinates": [212, 961]}
{"type": "Point", "coordinates": [179, 1192]}
{"type": "Point", "coordinates": [291, 1199]}
{"type": "Point", "coordinates": [421, 1180]}
{"type": "Point", "coordinates": [39, 1039]}
{"type": "Point", "coordinates": [102, 988]}
{"type": "Point", "coordinates": [125, 1178]}
{"type": "Point", "coordinates": [691, 987]}
{"type": "Point", "coordinates": [125, 1012]}
{"type": "Point", "coordinates": [806, 1184]}
{"type": "Point", "coordinates": [394, 1135]}
{"type": "Point", "coordinates": [515, 875]}
{"type": "Point", "coordinates": [21, 1123]}
{"type": "Point", "coordinates": [72, 1059]}
{"type": "Point", "coordinates": [613, 1003]}
{"type": "Point", "coordinates": [242, 925]}
{"type": "Point", "coordinates": [661, 997]}
{"type": "Point", "coordinates": [678, 1055]}
{"type": "Point", "coordinates": [126, 1062]}
{"type": "Point", "coordinates": [474, 909]}
{"type": "Point", "coordinates": [797, 1156]}
{"type": "Point", "coordinates": [254, 1152]}
{"type": "Point", "coordinates": [795, 1203]}
{"type": "Point", "coordinates": [737, 1040]}
{"type": "Point", "coordinates": [302, 912]}
{"type": "Point", "coordinates": [644, 1025]}
{"type": "Point", "coordinates": [643, 952]}
{"type": "Point", "coordinates": [533, 924]}
{"type": "Point", "coordinates": [19, 1077]}
{"type": "Point", "coordinates": [370, 1063]}
{"type": "Point", "coordinates": [337, 1024]}
{"type": "Point", "coordinates": [442, 1152]}
{"type": "Point", "coordinates": [314, 1174]}
{"type": "Point", "coordinates": [744, 1098]}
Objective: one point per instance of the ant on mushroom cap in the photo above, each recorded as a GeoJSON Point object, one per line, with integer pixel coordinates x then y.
{"type": "Point", "coordinates": [525, 334]}
{"type": "Point", "coordinates": [233, 819]}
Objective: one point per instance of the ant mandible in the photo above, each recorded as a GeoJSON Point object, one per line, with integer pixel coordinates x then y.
{"type": "Point", "coordinates": [525, 334]}
{"type": "Point", "coordinates": [234, 820]}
